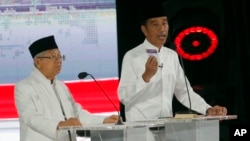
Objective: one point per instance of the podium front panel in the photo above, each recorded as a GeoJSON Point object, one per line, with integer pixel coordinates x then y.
{"type": "Point", "coordinates": [203, 128]}
{"type": "Point", "coordinates": [129, 134]}
{"type": "Point", "coordinates": [107, 132]}
{"type": "Point", "coordinates": [193, 131]}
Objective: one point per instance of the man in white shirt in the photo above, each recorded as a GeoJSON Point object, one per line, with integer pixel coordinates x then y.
{"type": "Point", "coordinates": [44, 103]}
{"type": "Point", "coordinates": [151, 74]}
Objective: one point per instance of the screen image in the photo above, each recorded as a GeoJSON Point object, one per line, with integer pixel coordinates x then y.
{"type": "Point", "coordinates": [85, 32]}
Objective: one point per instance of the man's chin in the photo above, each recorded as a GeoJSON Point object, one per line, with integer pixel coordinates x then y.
{"type": "Point", "coordinates": [58, 71]}
{"type": "Point", "coordinates": [161, 43]}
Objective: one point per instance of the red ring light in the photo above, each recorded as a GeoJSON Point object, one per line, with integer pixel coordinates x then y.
{"type": "Point", "coordinates": [196, 43]}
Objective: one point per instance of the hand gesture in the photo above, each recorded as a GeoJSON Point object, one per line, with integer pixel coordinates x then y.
{"type": "Point", "coordinates": [151, 68]}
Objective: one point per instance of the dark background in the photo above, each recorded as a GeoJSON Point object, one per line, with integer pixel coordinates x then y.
{"type": "Point", "coordinates": [222, 79]}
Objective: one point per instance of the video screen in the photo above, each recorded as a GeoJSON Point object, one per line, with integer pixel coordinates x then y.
{"type": "Point", "coordinates": [85, 32]}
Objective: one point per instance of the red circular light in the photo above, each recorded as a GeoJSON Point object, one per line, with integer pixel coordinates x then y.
{"type": "Point", "coordinates": [196, 43]}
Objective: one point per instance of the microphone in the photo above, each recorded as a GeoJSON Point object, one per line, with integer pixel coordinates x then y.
{"type": "Point", "coordinates": [161, 66]}
{"type": "Point", "coordinates": [83, 75]}
{"type": "Point", "coordinates": [189, 113]}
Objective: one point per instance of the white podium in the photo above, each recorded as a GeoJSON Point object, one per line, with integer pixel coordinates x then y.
{"type": "Point", "coordinates": [202, 128]}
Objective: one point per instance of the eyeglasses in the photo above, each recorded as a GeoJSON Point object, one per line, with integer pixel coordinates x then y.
{"type": "Point", "coordinates": [54, 57]}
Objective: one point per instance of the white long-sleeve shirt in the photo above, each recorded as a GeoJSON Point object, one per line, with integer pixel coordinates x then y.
{"type": "Point", "coordinates": [39, 109]}
{"type": "Point", "coordinates": [154, 99]}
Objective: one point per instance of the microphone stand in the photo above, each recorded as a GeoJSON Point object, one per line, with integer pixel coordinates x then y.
{"type": "Point", "coordinates": [190, 105]}
{"type": "Point", "coordinates": [189, 113]}
{"type": "Point", "coordinates": [119, 122]}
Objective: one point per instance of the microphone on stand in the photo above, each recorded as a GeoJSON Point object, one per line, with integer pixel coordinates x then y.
{"type": "Point", "coordinates": [83, 75]}
{"type": "Point", "coordinates": [189, 113]}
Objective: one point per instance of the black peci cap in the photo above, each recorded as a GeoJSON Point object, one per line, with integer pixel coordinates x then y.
{"type": "Point", "coordinates": [42, 44]}
{"type": "Point", "coordinates": [152, 9]}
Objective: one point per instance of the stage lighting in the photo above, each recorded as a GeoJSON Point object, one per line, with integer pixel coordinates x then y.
{"type": "Point", "coordinates": [196, 43]}
{"type": "Point", "coordinates": [196, 27]}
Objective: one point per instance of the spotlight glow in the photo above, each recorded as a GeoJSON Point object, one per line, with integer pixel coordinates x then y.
{"type": "Point", "coordinates": [196, 43]}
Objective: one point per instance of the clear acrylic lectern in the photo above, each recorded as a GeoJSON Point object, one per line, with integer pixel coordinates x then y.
{"type": "Point", "coordinates": [202, 128]}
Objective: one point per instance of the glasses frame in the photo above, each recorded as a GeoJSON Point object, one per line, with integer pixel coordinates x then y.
{"type": "Point", "coordinates": [53, 57]}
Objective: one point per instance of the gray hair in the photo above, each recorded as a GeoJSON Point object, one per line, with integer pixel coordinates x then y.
{"type": "Point", "coordinates": [38, 55]}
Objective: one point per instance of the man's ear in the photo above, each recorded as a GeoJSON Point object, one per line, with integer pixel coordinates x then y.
{"type": "Point", "coordinates": [143, 29]}
{"type": "Point", "coordinates": [36, 62]}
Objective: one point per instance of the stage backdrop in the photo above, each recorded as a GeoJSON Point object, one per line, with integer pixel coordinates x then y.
{"type": "Point", "coordinates": [85, 32]}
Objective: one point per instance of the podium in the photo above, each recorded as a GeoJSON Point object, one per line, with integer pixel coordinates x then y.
{"type": "Point", "coordinates": [105, 132]}
{"type": "Point", "coordinates": [202, 128]}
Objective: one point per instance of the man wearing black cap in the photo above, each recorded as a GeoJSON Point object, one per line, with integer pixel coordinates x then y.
{"type": "Point", "coordinates": [151, 74]}
{"type": "Point", "coordinates": [44, 103]}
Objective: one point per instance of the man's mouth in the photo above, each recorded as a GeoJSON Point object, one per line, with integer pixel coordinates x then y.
{"type": "Point", "coordinates": [162, 36]}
